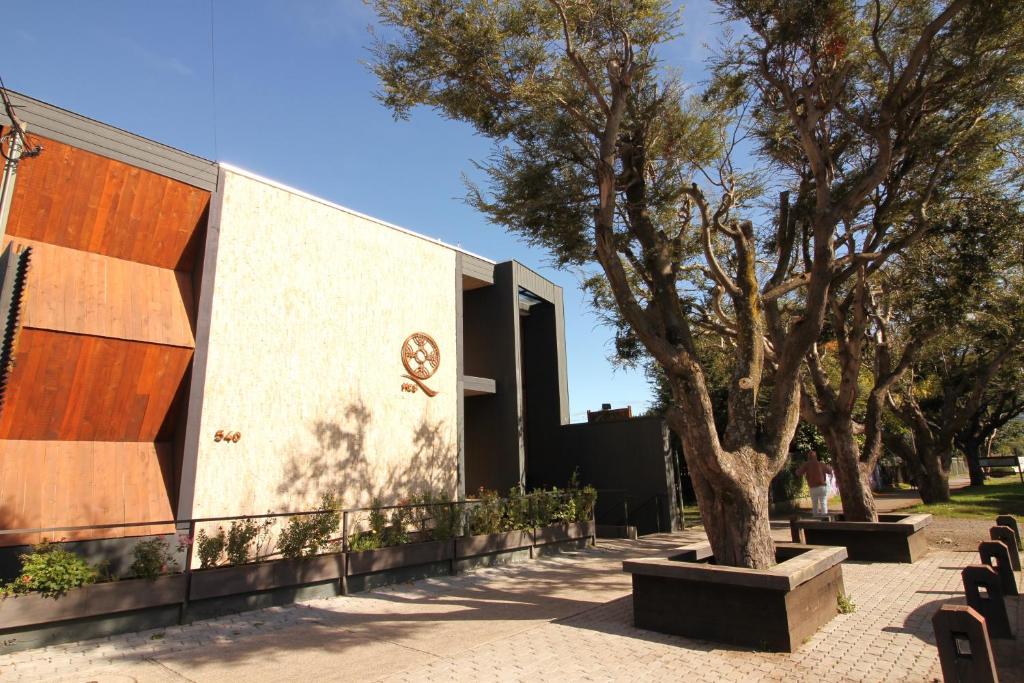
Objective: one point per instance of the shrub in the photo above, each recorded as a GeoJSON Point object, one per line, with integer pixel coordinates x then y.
{"type": "Point", "coordinates": [361, 541]}
{"type": "Point", "coordinates": [584, 500]}
{"type": "Point", "coordinates": [489, 515]}
{"type": "Point", "coordinates": [545, 506]}
{"type": "Point", "coordinates": [787, 485]}
{"type": "Point", "coordinates": [241, 534]}
{"type": "Point", "coordinates": [434, 515]}
{"type": "Point", "coordinates": [397, 532]}
{"type": "Point", "coordinates": [307, 535]}
{"type": "Point", "coordinates": [387, 527]}
{"type": "Point", "coordinates": [210, 548]}
{"type": "Point", "coordinates": [51, 571]}
{"type": "Point", "coordinates": [517, 510]}
{"type": "Point", "coordinates": [565, 507]}
{"type": "Point", "coordinates": [152, 558]}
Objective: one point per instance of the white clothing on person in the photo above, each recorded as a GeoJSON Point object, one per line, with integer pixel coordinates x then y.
{"type": "Point", "coordinates": [819, 501]}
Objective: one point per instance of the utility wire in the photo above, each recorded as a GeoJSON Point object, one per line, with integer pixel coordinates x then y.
{"type": "Point", "coordinates": [213, 83]}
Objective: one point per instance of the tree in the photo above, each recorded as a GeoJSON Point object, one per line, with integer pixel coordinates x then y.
{"type": "Point", "coordinates": [960, 143]}
{"type": "Point", "coordinates": [1003, 401]}
{"type": "Point", "coordinates": [970, 280]}
{"type": "Point", "coordinates": [598, 155]}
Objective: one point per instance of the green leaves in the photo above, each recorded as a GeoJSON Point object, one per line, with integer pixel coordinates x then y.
{"type": "Point", "coordinates": [51, 571]}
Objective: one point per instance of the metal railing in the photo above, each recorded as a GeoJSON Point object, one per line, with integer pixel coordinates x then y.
{"type": "Point", "coordinates": [457, 510]}
{"type": "Point", "coordinates": [631, 514]}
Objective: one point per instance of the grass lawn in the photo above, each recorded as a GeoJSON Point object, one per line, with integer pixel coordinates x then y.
{"type": "Point", "coordinates": [999, 496]}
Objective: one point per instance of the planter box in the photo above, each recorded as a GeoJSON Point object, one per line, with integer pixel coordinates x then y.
{"type": "Point", "coordinates": [248, 578]}
{"type": "Point", "coordinates": [485, 544]}
{"type": "Point", "coordinates": [894, 538]}
{"type": "Point", "coordinates": [90, 601]}
{"type": "Point", "coordinates": [564, 532]}
{"type": "Point", "coordinates": [409, 555]}
{"type": "Point", "coordinates": [773, 609]}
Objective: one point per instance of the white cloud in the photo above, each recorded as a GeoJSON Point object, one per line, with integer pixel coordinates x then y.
{"type": "Point", "coordinates": [159, 62]}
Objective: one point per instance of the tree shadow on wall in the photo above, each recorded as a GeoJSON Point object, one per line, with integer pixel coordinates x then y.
{"type": "Point", "coordinates": [341, 461]}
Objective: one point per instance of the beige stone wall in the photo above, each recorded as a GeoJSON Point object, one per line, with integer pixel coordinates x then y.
{"type": "Point", "coordinates": [311, 305]}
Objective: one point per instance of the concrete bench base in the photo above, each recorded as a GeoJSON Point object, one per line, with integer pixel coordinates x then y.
{"type": "Point", "coordinates": [775, 609]}
{"type": "Point", "coordinates": [894, 538]}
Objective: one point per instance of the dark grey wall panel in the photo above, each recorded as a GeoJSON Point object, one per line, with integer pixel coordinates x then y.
{"type": "Point", "coordinates": [46, 120]}
{"type": "Point", "coordinates": [494, 453]}
{"type": "Point", "coordinates": [540, 373]}
{"type": "Point", "coordinates": [477, 268]}
{"type": "Point", "coordinates": [629, 461]}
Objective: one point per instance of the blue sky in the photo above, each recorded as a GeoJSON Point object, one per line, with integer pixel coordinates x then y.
{"type": "Point", "coordinates": [285, 95]}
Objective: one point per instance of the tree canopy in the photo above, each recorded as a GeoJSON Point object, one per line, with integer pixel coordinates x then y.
{"type": "Point", "coordinates": [601, 156]}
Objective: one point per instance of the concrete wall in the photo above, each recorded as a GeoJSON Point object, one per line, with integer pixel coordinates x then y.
{"type": "Point", "coordinates": [308, 310]}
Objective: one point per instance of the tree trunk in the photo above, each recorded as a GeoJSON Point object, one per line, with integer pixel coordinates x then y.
{"type": "Point", "coordinates": [736, 522]}
{"type": "Point", "coordinates": [933, 483]}
{"type": "Point", "coordinates": [853, 479]}
{"type": "Point", "coordinates": [972, 450]}
{"type": "Point", "coordinates": [733, 501]}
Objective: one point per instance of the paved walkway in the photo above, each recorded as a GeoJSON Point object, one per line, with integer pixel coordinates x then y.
{"type": "Point", "coordinates": [565, 618]}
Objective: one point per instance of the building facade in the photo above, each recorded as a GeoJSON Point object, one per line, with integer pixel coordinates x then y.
{"type": "Point", "coordinates": [185, 339]}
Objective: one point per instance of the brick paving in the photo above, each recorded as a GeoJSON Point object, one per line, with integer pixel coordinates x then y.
{"type": "Point", "coordinates": [565, 618]}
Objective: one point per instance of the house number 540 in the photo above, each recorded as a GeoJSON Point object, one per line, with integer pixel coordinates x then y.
{"type": "Point", "coordinates": [227, 437]}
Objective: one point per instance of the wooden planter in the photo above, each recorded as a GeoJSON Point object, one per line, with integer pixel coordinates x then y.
{"type": "Point", "coordinates": [485, 544]}
{"type": "Point", "coordinates": [557, 533]}
{"type": "Point", "coordinates": [93, 600]}
{"type": "Point", "coordinates": [409, 555]}
{"type": "Point", "coordinates": [893, 538]}
{"type": "Point", "coordinates": [775, 609]}
{"type": "Point", "coordinates": [261, 576]}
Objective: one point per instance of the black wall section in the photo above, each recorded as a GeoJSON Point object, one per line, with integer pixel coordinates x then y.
{"type": "Point", "coordinates": [540, 372]}
{"type": "Point", "coordinates": [492, 424]}
{"type": "Point", "coordinates": [628, 461]}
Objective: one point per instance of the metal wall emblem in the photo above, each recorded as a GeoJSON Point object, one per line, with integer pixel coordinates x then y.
{"type": "Point", "coordinates": [421, 358]}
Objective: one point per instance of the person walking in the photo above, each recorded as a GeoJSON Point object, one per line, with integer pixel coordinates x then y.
{"type": "Point", "coordinates": [816, 473]}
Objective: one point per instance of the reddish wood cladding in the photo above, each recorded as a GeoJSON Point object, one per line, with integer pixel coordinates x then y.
{"type": "Point", "coordinates": [73, 198]}
{"type": "Point", "coordinates": [47, 484]}
{"type": "Point", "coordinates": [74, 291]}
{"type": "Point", "coordinates": [71, 387]}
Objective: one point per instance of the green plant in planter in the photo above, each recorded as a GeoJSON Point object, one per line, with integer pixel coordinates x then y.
{"type": "Point", "coordinates": [308, 535]}
{"type": "Point", "coordinates": [152, 558]}
{"type": "Point", "coordinates": [489, 515]}
{"type": "Point", "coordinates": [434, 516]}
{"type": "Point", "coordinates": [584, 500]}
{"type": "Point", "coordinates": [565, 508]}
{"type": "Point", "coordinates": [397, 532]}
{"type": "Point", "coordinates": [517, 509]}
{"type": "Point", "coordinates": [210, 548]}
{"type": "Point", "coordinates": [390, 527]}
{"type": "Point", "coordinates": [363, 541]}
{"type": "Point", "coordinates": [241, 534]}
{"type": "Point", "coordinates": [51, 571]}
{"type": "Point", "coordinates": [545, 506]}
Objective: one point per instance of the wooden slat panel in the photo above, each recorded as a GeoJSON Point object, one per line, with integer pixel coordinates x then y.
{"type": "Point", "coordinates": [76, 291]}
{"type": "Point", "coordinates": [73, 198]}
{"type": "Point", "coordinates": [69, 387]}
{"type": "Point", "coordinates": [67, 483]}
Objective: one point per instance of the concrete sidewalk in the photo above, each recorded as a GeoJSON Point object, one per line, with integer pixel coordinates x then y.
{"type": "Point", "coordinates": [564, 618]}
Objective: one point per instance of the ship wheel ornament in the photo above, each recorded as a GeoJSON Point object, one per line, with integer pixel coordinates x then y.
{"type": "Point", "coordinates": [421, 358]}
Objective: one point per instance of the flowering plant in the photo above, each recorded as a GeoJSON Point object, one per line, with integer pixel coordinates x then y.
{"type": "Point", "coordinates": [153, 558]}
{"type": "Point", "coordinates": [50, 570]}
